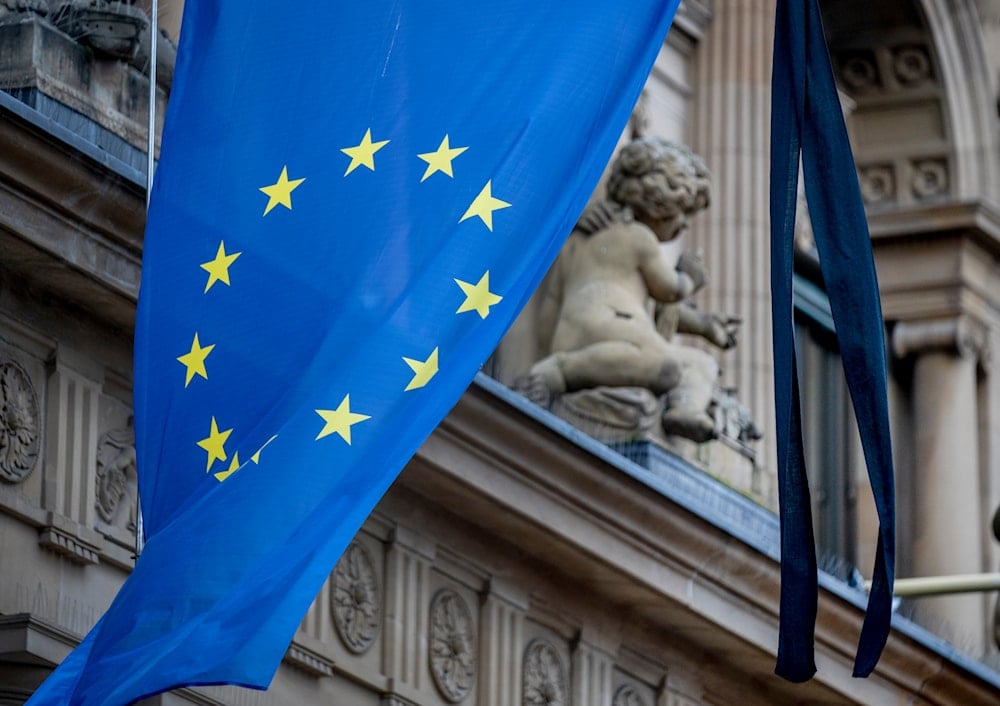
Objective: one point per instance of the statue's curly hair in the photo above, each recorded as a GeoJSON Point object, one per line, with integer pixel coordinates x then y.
{"type": "Point", "coordinates": [660, 179]}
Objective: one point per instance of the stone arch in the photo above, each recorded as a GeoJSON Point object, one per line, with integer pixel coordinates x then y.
{"type": "Point", "coordinates": [922, 99]}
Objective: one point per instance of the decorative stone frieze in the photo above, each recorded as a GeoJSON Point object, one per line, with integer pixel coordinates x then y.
{"type": "Point", "coordinates": [452, 650]}
{"type": "Point", "coordinates": [544, 676]}
{"type": "Point", "coordinates": [356, 599]}
{"type": "Point", "coordinates": [19, 428]}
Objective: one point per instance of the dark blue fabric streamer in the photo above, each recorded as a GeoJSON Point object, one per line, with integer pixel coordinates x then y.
{"type": "Point", "coordinates": [806, 119]}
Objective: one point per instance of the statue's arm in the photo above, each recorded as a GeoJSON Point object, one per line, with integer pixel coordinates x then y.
{"type": "Point", "coordinates": [718, 329]}
{"type": "Point", "coordinates": [665, 283]}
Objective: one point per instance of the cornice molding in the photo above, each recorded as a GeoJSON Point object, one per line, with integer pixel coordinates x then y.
{"type": "Point", "coordinates": [69, 222]}
{"type": "Point", "coordinates": [515, 472]}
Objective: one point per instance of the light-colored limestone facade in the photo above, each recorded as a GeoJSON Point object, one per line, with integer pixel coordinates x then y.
{"type": "Point", "coordinates": [518, 561]}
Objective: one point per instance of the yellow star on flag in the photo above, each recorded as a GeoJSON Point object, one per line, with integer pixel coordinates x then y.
{"type": "Point", "coordinates": [423, 370]}
{"type": "Point", "coordinates": [214, 444]}
{"type": "Point", "coordinates": [194, 360]}
{"type": "Point", "coordinates": [440, 159]}
{"type": "Point", "coordinates": [478, 296]}
{"type": "Point", "coordinates": [218, 269]}
{"type": "Point", "coordinates": [281, 191]}
{"type": "Point", "coordinates": [340, 420]}
{"type": "Point", "coordinates": [484, 205]}
{"type": "Point", "coordinates": [233, 467]}
{"type": "Point", "coordinates": [363, 153]}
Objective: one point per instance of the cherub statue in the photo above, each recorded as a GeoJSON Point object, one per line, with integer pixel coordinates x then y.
{"type": "Point", "coordinates": [614, 301]}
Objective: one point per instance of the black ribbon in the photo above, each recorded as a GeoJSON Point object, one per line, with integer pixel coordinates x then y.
{"type": "Point", "coordinates": [806, 120]}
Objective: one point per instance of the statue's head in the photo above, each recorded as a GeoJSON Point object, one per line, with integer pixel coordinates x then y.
{"type": "Point", "coordinates": [663, 182]}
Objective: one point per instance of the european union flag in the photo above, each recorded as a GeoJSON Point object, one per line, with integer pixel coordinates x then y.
{"type": "Point", "coordinates": [353, 202]}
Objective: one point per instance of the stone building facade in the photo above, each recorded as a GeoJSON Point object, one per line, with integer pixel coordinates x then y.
{"type": "Point", "coordinates": [517, 561]}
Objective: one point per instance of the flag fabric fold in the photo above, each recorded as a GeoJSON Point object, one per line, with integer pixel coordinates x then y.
{"type": "Point", "coordinates": [352, 204]}
{"type": "Point", "coordinates": [807, 121]}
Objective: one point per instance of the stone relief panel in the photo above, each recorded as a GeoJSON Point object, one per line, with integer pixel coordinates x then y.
{"type": "Point", "coordinates": [20, 431]}
{"type": "Point", "coordinates": [898, 124]}
{"type": "Point", "coordinates": [544, 676]}
{"type": "Point", "coordinates": [356, 599]}
{"type": "Point", "coordinates": [117, 482]}
{"type": "Point", "coordinates": [627, 695]}
{"type": "Point", "coordinates": [452, 648]}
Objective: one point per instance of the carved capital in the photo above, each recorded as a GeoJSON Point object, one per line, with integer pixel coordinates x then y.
{"type": "Point", "coordinates": [961, 335]}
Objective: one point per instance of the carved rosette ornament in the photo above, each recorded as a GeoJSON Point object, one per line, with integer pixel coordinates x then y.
{"type": "Point", "coordinates": [544, 676]}
{"type": "Point", "coordinates": [911, 65]}
{"type": "Point", "coordinates": [878, 183]}
{"type": "Point", "coordinates": [627, 696]}
{"type": "Point", "coordinates": [859, 73]}
{"type": "Point", "coordinates": [452, 645]}
{"type": "Point", "coordinates": [19, 431]}
{"type": "Point", "coordinates": [930, 178]}
{"type": "Point", "coordinates": [356, 602]}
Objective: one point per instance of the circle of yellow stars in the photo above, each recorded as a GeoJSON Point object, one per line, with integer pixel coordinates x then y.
{"type": "Point", "coordinates": [339, 421]}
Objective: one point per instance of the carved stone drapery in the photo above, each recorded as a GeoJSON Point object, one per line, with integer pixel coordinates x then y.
{"type": "Point", "coordinates": [356, 599]}
{"type": "Point", "coordinates": [452, 652]}
{"type": "Point", "coordinates": [544, 676]}
{"type": "Point", "coordinates": [19, 430]}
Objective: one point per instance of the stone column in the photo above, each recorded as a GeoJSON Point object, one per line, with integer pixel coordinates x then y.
{"type": "Point", "coordinates": [501, 640]}
{"type": "Point", "coordinates": [949, 527]}
{"type": "Point", "coordinates": [730, 129]}
{"type": "Point", "coordinates": [71, 445]}
{"type": "Point", "coordinates": [593, 682]}
{"type": "Point", "coordinates": [408, 561]}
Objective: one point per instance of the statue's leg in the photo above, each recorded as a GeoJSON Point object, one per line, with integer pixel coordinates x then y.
{"type": "Point", "coordinates": [687, 404]}
{"type": "Point", "coordinates": [611, 363]}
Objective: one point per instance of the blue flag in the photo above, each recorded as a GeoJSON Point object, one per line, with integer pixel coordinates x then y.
{"type": "Point", "coordinates": [352, 204]}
